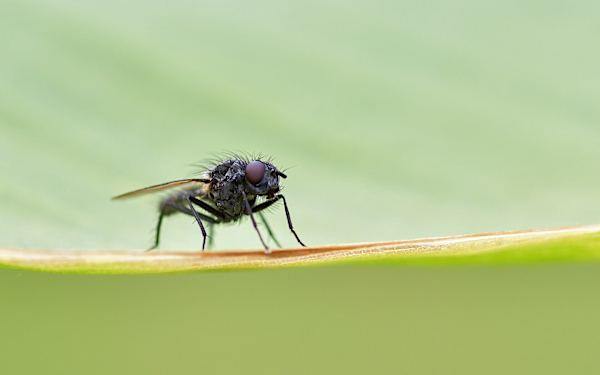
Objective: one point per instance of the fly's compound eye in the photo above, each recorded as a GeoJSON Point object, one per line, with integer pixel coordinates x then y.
{"type": "Point", "coordinates": [255, 172]}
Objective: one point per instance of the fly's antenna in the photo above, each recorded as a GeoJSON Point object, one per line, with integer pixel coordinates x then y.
{"type": "Point", "coordinates": [286, 169]}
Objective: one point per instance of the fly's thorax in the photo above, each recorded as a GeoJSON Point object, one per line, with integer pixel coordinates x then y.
{"type": "Point", "coordinates": [226, 180]}
{"type": "Point", "coordinates": [231, 179]}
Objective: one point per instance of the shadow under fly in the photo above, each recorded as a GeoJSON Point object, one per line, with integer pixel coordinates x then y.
{"type": "Point", "coordinates": [230, 190]}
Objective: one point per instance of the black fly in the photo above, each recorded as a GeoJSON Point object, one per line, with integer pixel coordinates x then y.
{"type": "Point", "coordinates": [230, 190]}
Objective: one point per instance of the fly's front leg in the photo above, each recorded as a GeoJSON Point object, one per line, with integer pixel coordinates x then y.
{"type": "Point", "coordinates": [269, 203]}
{"type": "Point", "coordinates": [258, 209]}
{"type": "Point", "coordinates": [289, 220]}
{"type": "Point", "coordinates": [249, 213]}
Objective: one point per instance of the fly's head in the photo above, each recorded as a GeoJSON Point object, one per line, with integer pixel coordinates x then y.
{"type": "Point", "coordinates": [262, 178]}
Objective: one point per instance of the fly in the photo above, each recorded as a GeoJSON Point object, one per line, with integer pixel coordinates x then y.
{"type": "Point", "coordinates": [232, 189]}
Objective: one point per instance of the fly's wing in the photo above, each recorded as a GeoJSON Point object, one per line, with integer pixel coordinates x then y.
{"type": "Point", "coordinates": [161, 187]}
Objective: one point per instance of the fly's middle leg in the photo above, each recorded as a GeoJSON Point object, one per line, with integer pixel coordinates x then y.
{"type": "Point", "coordinates": [172, 206]}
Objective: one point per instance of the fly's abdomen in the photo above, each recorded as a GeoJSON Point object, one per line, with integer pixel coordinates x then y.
{"type": "Point", "coordinates": [178, 201]}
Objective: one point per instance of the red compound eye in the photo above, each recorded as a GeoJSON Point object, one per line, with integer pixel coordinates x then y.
{"type": "Point", "coordinates": [255, 172]}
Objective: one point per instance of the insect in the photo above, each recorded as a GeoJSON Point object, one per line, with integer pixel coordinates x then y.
{"type": "Point", "coordinates": [230, 190]}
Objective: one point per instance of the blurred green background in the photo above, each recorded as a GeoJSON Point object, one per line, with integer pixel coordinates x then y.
{"type": "Point", "coordinates": [453, 320]}
{"type": "Point", "coordinates": [401, 119]}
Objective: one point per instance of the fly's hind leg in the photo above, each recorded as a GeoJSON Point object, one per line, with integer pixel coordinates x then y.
{"type": "Point", "coordinates": [157, 231]}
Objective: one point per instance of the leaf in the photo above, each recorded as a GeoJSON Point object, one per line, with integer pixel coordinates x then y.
{"type": "Point", "coordinates": [474, 248]}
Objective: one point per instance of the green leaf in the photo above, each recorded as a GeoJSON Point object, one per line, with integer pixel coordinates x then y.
{"type": "Point", "coordinates": [495, 248]}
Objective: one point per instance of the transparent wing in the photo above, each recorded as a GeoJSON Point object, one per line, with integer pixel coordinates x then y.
{"type": "Point", "coordinates": [161, 187]}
